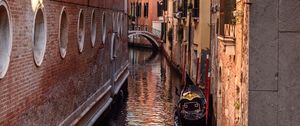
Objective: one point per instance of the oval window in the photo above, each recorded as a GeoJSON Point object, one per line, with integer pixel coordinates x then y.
{"type": "Point", "coordinates": [5, 39]}
{"type": "Point", "coordinates": [93, 29]}
{"type": "Point", "coordinates": [63, 33]}
{"type": "Point", "coordinates": [81, 31]}
{"type": "Point", "coordinates": [103, 27]}
{"type": "Point", "coordinates": [120, 24]}
{"type": "Point", "coordinates": [39, 37]}
{"type": "Point", "coordinates": [113, 49]}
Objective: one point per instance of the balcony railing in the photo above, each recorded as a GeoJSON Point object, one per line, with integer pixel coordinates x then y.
{"type": "Point", "coordinates": [229, 30]}
{"type": "Point", "coordinates": [228, 39]}
{"type": "Point", "coordinates": [156, 32]}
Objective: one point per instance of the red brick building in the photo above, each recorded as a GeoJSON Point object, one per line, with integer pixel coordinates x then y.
{"type": "Point", "coordinates": [143, 12]}
{"type": "Point", "coordinates": [61, 61]}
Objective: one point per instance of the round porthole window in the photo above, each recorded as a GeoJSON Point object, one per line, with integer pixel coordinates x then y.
{"type": "Point", "coordinates": [115, 21]}
{"type": "Point", "coordinates": [63, 33]}
{"type": "Point", "coordinates": [120, 24]}
{"type": "Point", "coordinates": [80, 31]}
{"type": "Point", "coordinates": [5, 39]}
{"type": "Point", "coordinates": [39, 37]}
{"type": "Point", "coordinates": [103, 27]}
{"type": "Point", "coordinates": [93, 29]}
{"type": "Point", "coordinates": [113, 50]}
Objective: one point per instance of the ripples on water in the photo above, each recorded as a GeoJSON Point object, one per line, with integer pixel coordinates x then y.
{"type": "Point", "coordinates": [151, 92]}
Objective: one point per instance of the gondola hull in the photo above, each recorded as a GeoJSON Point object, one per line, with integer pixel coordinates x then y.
{"type": "Point", "coordinates": [190, 109]}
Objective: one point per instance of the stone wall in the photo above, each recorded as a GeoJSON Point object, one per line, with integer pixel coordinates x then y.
{"type": "Point", "coordinates": [230, 70]}
{"type": "Point", "coordinates": [274, 58]}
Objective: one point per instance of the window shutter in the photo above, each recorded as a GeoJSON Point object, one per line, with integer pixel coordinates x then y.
{"type": "Point", "coordinates": [185, 7]}
{"type": "Point", "coordinates": [196, 8]}
{"type": "Point", "coordinates": [165, 5]}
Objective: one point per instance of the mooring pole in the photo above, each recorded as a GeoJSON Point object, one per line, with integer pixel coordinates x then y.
{"type": "Point", "coordinates": [207, 87]}
{"type": "Point", "coordinates": [184, 65]}
{"type": "Point", "coordinates": [197, 71]}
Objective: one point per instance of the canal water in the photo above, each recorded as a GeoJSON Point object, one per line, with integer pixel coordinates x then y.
{"type": "Point", "coordinates": [151, 97]}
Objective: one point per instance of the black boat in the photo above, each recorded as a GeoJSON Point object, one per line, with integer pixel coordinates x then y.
{"type": "Point", "coordinates": [191, 107]}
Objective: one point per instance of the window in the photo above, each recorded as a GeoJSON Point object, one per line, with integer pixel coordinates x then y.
{"type": "Point", "coordinates": [103, 28]}
{"type": "Point", "coordinates": [159, 9]}
{"type": "Point", "coordinates": [63, 33]}
{"type": "Point", "coordinates": [131, 9]}
{"type": "Point", "coordinates": [138, 9]}
{"type": "Point", "coordinates": [185, 8]}
{"type": "Point", "coordinates": [81, 31]}
{"type": "Point", "coordinates": [93, 28]}
{"type": "Point", "coordinates": [5, 39]}
{"type": "Point", "coordinates": [165, 5]}
{"type": "Point", "coordinates": [39, 37]}
{"type": "Point", "coordinates": [227, 19]}
{"type": "Point", "coordinates": [120, 23]}
{"type": "Point", "coordinates": [196, 8]}
{"type": "Point", "coordinates": [113, 50]}
{"type": "Point", "coordinates": [146, 9]}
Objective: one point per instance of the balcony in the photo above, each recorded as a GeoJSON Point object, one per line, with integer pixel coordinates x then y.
{"type": "Point", "coordinates": [228, 39]}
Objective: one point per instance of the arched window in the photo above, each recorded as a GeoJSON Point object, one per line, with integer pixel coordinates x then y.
{"type": "Point", "coordinates": [81, 30]}
{"type": "Point", "coordinates": [39, 37]}
{"type": "Point", "coordinates": [63, 33]}
{"type": "Point", "coordinates": [5, 39]}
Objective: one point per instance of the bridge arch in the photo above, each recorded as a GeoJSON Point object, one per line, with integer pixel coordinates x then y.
{"type": "Point", "coordinates": [154, 42]}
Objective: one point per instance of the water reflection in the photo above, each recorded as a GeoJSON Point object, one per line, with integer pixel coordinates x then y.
{"type": "Point", "coordinates": [151, 92]}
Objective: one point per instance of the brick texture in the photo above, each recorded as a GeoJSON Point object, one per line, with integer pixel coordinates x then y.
{"type": "Point", "coordinates": [46, 95]}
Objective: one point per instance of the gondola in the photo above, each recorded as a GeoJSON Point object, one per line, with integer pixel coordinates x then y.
{"type": "Point", "coordinates": [191, 107]}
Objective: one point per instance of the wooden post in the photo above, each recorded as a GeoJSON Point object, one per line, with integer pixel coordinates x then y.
{"type": "Point", "coordinates": [207, 87]}
{"type": "Point", "coordinates": [197, 71]}
{"type": "Point", "coordinates": [184, 65]}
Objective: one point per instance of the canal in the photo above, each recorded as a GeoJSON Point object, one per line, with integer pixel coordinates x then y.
{"type": "Point", "coordinates": [151, 97]}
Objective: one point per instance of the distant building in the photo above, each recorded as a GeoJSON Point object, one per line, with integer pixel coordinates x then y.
{"type": "Point", "coordinates": [187, 25]}
{"type": "Point", "coordinates": [145, 14]}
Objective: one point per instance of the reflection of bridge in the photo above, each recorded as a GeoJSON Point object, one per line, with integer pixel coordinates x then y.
{"type": "Point", "coordinates": [155, 41]}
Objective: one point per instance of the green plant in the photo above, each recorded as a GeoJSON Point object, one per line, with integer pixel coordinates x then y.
{"type": "Point", "coordinates": [131, 17]}
{"type": "Point", "coordinates": [237, 105]}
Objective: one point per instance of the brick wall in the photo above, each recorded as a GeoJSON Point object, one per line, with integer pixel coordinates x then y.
{"type": "Point", "coordinates": [31, 95]}
{"type": "Point", "coordinates": [230, 71]}
{"type": "Point", "coordinates": [266, 67]}
{"type": "Point", "coordinates": [152, 14]}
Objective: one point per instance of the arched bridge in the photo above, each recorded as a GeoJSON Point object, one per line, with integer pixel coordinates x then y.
{"type": "Point", "coordinates": [155, 41]}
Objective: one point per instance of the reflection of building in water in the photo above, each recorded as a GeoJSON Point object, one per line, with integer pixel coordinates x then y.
{"type": "Point", "coordinates": [150, 100]}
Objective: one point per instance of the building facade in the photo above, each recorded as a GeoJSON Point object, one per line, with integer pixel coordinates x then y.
{"type": "Point", "coordinates": [188, 34]}
{"type": "Point", "coordinates": [61, 61]}
{"type": "Point", "coordinates": [144, 14]}
{"type": "Point", "coordinates": [255, 59]}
